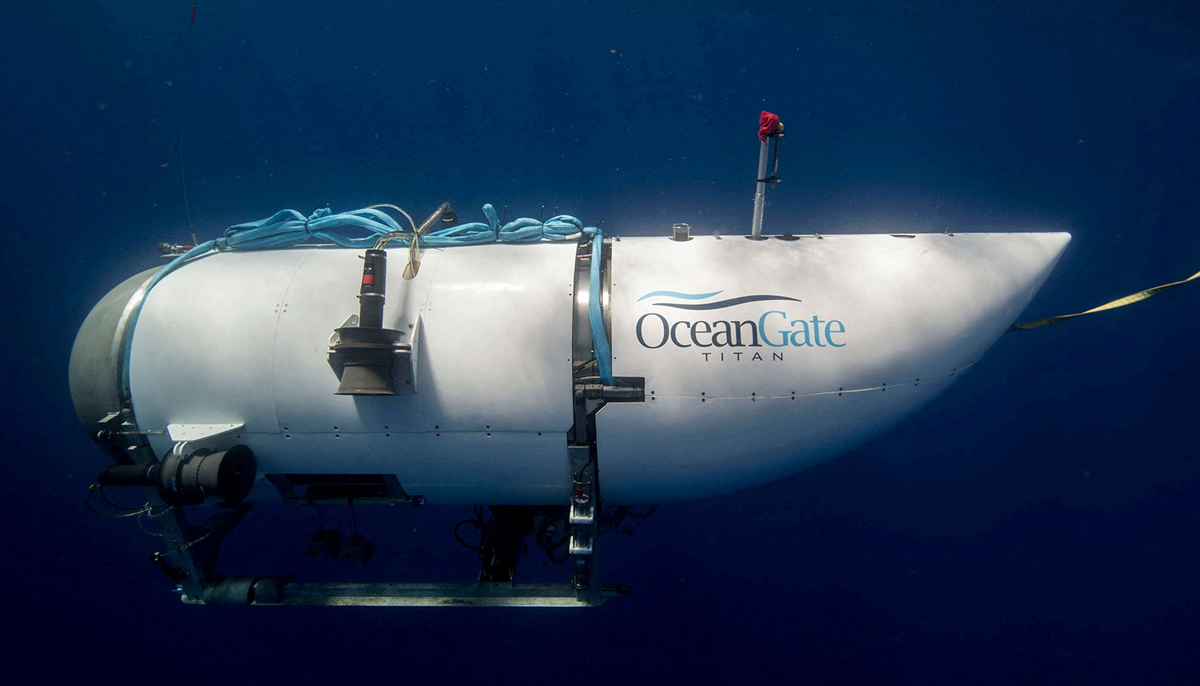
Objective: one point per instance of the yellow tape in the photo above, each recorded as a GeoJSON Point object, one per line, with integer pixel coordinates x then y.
{"type": "Point", "coordinates": [1120, 302]}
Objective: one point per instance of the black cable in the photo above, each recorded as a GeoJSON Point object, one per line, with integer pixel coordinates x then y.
{"type": "Point", "coordinates": [187, 49]}
{"type": "Point", "coordinates": [611, 521]}
{"type": "Point", "coordinates": [129, 512]}
{"type": "Point", "coordinates": [641, 518]}
{"type": "Point", "coordinates": [87, 501]}
{"type": "Point", "coordinates": [775, 162]}
{"type": "Point", "coordinates": [115, 506]}
{"type": "Point", "coordinates": [479, 526]}
{"type": "Point", "coordinates": [579, 474]}
{"type": "Point", "coordinates": [548, 544]}
{"type": "Point", "coordinates": [483, 527]}
{"type": "Point", "coordinates": [649, 512]}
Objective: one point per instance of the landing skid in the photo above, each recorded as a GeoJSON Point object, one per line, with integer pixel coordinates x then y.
{"type": "Point", "coordinates": [278, 591]}
{"type": "Point", "coordinates": [192, 563]}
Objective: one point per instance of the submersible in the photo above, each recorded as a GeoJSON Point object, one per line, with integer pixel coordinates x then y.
{"type": "Point", "coordinates": [541, 368]}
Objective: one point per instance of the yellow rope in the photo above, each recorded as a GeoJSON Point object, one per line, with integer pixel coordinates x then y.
{"type": "Point", "coordinates": [1120, 302]}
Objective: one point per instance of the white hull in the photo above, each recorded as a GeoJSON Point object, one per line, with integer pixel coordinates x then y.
{"type": "Point", "coordinates": [242, 338]}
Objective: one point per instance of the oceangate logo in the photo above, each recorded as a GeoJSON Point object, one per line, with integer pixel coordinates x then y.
{"type": "Point", "coordinates": [774, 328]}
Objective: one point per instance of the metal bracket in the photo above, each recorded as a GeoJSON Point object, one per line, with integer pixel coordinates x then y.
{"type": "Point", "coordinates": [121, 432]}
{"type": "Point", "coordinates": [589, 396]}
{"type": "Point", "coordinates": [583, 489]}
{"type": "Point", "coordinates": [198, 432]}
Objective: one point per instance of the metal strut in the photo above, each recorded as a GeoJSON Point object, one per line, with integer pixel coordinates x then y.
{"type": "Point", "coordinates": [191, 551]}
{"type": "Point", "coordinates": [590, 395]}
{"type": "Point", "coordinates": [581, 440]}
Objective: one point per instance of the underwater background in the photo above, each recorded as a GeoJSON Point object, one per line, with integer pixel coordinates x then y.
{"type": "Point", "coordinates": [1037, 523]}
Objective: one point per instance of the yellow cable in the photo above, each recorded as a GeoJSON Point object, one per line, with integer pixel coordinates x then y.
{"type": "Point", "coordinates": [1120, 302]}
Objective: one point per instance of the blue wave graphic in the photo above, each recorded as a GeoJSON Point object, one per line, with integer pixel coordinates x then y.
{"type": "Point", "coordinates": [726, 303]}
{"type": "Point", "coordinates": [684, 296]}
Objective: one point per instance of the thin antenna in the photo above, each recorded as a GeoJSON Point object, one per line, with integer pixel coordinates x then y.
{"type": "Point", "coordinates": [187, 49]}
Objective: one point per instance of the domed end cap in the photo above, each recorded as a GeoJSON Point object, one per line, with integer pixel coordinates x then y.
{"type": "Point", "coordinates": [236, 470]}
{"type": "Point", "coordinates": [191, 480]}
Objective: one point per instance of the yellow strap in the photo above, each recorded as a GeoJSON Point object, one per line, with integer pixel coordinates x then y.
{"type": "Point", "coordinates": [1120, 302]}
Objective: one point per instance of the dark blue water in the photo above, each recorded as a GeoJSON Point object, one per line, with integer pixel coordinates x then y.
{"type": "Point", "coordinates": [1037, 523]}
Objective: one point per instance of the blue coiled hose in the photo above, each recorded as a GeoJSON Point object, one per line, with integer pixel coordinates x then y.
{"type": "Point", "coordinates": [289, 227]}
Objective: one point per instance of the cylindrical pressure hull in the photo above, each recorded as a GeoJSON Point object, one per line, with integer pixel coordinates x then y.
{"type": "Point", "coordinates": [760, 359]}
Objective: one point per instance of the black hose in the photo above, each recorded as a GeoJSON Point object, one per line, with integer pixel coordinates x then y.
{"type": "Point", "coordinates": [548, 543]}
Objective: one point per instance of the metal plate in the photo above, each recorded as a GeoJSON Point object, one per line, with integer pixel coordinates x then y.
{"type": "Point", "coordinates": [197, 432]}
{"type": "Point", "coordinates": [495, 347]}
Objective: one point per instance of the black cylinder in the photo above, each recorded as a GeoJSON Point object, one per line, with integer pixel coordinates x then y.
{"type": "Point", "coordinates": [190, 480]}
{"type": "Point", "coordinates": [364, 355]}
{"type": "Point", "coordinates": [370, 296]}
{"type": "Point", "coordinates": [129, 475]}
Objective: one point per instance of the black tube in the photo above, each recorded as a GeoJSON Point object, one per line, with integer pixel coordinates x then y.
{"type": "Point", "coordinates": [129, 475]}
{"type": "Point", "coordinates": [370, 296]}
{"type": "Point", "coordinates": [190, 480]}
{"type": "Point", "coordinates": [364, 355]}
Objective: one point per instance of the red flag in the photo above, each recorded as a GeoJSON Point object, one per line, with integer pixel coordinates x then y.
{"type": "Point", "coordinates": [767, 124]}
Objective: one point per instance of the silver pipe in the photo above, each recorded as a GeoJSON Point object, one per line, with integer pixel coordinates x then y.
{"type": "Point", "coordinates": [760, 194]}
